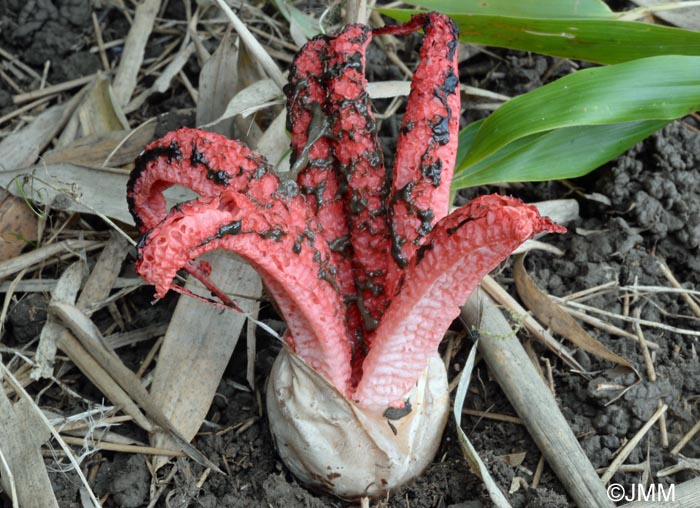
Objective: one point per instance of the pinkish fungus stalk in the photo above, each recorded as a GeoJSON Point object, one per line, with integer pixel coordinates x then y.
{"type": "Point", "coordinates": [366, 267]}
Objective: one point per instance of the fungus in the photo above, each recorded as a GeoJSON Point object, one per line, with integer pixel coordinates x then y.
{"type": "Point", "coordinates": [366, 267]}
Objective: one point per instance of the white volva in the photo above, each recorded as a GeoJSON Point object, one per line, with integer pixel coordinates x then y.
{"type": "Point", "coordinates": [330, 443]}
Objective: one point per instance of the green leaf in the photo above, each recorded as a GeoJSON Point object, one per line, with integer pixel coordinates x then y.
{"type": "Point", "coordinates": [606, 41]}
{"type": "Point", "coordinates": [520, 8]}
{"type": "Point", "coordinates": [657, 88]}
{"type": "Point", "coordinates": [561, 153]}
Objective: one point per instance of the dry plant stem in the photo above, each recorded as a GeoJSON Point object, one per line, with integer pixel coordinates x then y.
{"type": "Point", "coordinates": [631, 444]}
{"type": "Point", "coordinates": [118, 340]}
{"type": "Point", "coordinates": [538, 473]}
{"type": "Point", "coordinates": [8, 299]}
{"type": "Point", "coordinates": [651, 373]}
{"type": "Point", "coordinates": [590, 292]}
{"type": "Point", "coordinates": [645, 322]}
{"type": "Point", "coordinates": [499, 294]}
{"type": "Point", "coordinates": [356, 12]}
{"type": "Point", "coordinates": [90, 337]}
{"type": "Point", "coordinates": [10, 81]}
{"type": "Point", "coordinates": [685, 439]}
{"type": "Point", "coordinates": [123, 448]}
{"type": "Point", "coordinates": [666, 271]}
{"type": "Point", "coordinates": [388, 45]}
{"type": "Point", "coordinates": [493, 416]}
{"type": "Point", "coordinates": [84, 425]}
{"type": "Point", "coordinates": [7, 473]}
{"type": "Point", "coordinates": [607, 327]}
{"type": "Point", "coordinates": [27, 107]}
{"type": "Point", "coordinates": [149, 358]}
{"type": "Point", "coordinates": [163, 485]}
{"type": "Point", "coordinates": [36, 256]}
{"type": "Point", "coordinates": [53, 90]}
{"type": "Point", "coordinates": [253, 45]}
{"type": "Point", "coordinates": [532, 400]}
{"type": "Point", "coordinates": [105, 272]}
{"type": "Point", "coordinates": [134, 48]}
{"type": "Point", "coordinates": [628, 468]}
{"type": "Point", "coordinates": [101, 379]}
{"type": "Point", "coordinates": [13, 59]}
{"type": "Point", "coordinates": [100, 42]}
{"type": "Point", "coordinates": [162, 83]}
{"type": "Point", "coordinates": [47, 285]}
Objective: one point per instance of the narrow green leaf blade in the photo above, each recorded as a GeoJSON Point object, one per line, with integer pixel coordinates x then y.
{"type": "Point", "coordinates": [605, 41]}
{"type": "Point", "coordinates": [562, 153]}
{"type": "Point", "coordinates": [520, 9]}
{"type": "Point", "coordinates": [660, 88]}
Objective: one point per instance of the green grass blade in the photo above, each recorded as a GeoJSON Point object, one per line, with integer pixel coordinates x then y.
{"type": "Point", "coordinates": [657, 88]}
{"type": "Point", "coordinates": [520, 8]}
{"type": "Point", "coordinates": [605, 41]}
{"type": "Point", "coordinates": [562, 153]}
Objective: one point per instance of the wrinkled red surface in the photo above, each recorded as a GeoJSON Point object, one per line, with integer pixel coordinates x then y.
{"type": "Point", "coordinates": [359, 162]}
{"type": "Point", "coordinates": [318, 179]}
{"type": "Point", "coordinates": [462, 248]}
{"type": "Point", "coordinates": [367, 269]}
{"type": "Point", "coordinates": [427, 144]}
{"type": "Point", "coordinates": [275, 238]}
{"type": "Point", "coordinates": [202, 161]}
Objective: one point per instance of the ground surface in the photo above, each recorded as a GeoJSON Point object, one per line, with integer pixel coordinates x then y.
{"type": "Point", "coordinates": [653, 212]}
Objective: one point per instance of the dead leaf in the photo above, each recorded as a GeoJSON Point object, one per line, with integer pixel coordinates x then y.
{"type": "Point", "coordinates": [21, 437]}
{"type": "Point", "coordinates": [553, 316]}
{"type": "Point", "coordinates": [164, 80]}
{"type": "Point", "coordinates": [218, 83]}
{"type": "Point", "coordinates": [80, 189]}
{"type": "Point", "coordinates": [688, 18]}
{"type": "Point", "coordinates": [21, 149]}
{"type": "Point", "coordinates": [18, 225]}
{"type": "Point", "coordinates": [259, 95]}
{"type": "Point", "coordinates": [99, 113]}
{"type": "Point", "coordinates": [274, 144]}
{"type": "Point", "coordinates": [119, 147]}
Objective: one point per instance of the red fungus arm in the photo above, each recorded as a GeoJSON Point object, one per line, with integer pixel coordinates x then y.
{"type": "Point", "coordinates": [317, 176]}
{"type": "Point", "coordinates": [278, 239]}
{"type": "Point", "coordinates": [458, 253]}
{"type": "Point", "coordinates": [360, 162]}
{"type": "Point", "coordinates": [205, 162]}
{"type": "Point", "coordinates": [427, 144]}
